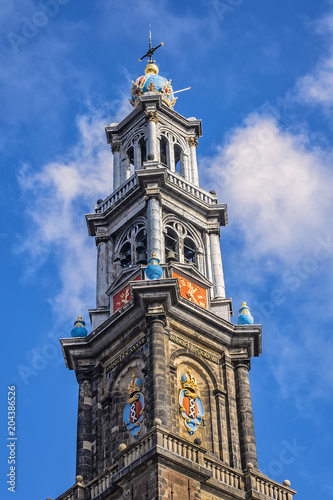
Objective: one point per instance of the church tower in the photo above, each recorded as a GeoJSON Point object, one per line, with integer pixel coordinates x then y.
{"type": "Point", "coordinates": [164, 409]}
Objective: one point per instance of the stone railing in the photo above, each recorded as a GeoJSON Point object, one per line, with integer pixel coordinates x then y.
{"type": "Point", "coordinates": [180, 447]}
{"type": "Point", "coordinates": [135, 451]}
{"type": "Point", "coordinates": [271, 489]}
{"type": "Point", "coordinates": [196, 191]}
{"type": "Point", "coordinates": [172, 177]}
{"type": "Point", "coordinates": [161, 441]}
{"type": "Point", "coordinates": [225, 474]}
{"type": "Point", "coordinates": [116, 195]}
{"type": "Point", "coordinates": [100, 484]}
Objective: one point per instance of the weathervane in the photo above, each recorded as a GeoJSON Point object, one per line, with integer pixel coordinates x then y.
{"type": "Point", "coordinates": [151, 50]}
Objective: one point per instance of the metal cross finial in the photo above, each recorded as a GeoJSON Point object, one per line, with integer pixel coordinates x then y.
{"type": "Point", "coordinates": [151, 50]}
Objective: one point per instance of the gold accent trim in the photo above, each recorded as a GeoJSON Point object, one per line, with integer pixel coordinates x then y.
{"type": "Point", "coordinates": [192, 347]}
{"type": "Point", "coordinates": [151, 116]}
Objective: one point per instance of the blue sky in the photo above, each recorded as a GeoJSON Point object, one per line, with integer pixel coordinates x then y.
{"type": "Point", "coordinates": [262, 82]}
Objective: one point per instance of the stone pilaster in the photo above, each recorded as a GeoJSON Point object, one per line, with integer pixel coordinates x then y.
{"type": "Point", "coordinates": [152, 119]}
{"type": "Point", "coordinates": [234, 446]}
{"type": "Point", "coordinates": [245, 415]}
{"type": "Point", "coordinates": [158, 373]}
{"type": "Point", "coordinates": [84, 427]}
{"type": "Point", "coordinates": [216, 263]}
{"type": "Point", "coordinates": [102, 271]}
{"type": "Point", "coordinates": [221, 405]}
{"type": "Point", "coordinates": [154, 228]}
{"type": "Point", "coordinates": [193, 144]}
{"type": "Point", "coordinates": [115, 148]}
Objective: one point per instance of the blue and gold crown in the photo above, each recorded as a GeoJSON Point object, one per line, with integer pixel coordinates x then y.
{"type": "Point", "coordinates": [151, 81]}
{"type": "Point", "coordinates": [135, 384]}
{"type": "Point", "coordinates": [189, 382]}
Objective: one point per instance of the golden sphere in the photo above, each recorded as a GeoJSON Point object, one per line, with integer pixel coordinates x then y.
{"type": "Point", "coordinates": [151, 68]}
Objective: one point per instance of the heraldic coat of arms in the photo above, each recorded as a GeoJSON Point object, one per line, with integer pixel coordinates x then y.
{"type": "Point", "coordinates": [134, 408]}
{"type": "Point", "coordinates": [191, 407]}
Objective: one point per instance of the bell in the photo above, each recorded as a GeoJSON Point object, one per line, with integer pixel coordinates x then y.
{"type": "Point", "coordinates": [141, 247]}
{"type": "Point", "coordinates": [142, 258]}
{"type": "Point", "coordinates": [171, 256]}
{"type": "Point", "coordinates": [125, 259]}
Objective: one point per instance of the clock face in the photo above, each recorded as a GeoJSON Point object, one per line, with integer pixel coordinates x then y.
{"type": "Point", "coordinates": [191, 291]}
{"type": "Point", "coordinates": [124, 296]}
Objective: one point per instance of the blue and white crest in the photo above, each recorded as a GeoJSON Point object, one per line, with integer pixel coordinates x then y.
{"type": "Point", "coordinates": [190, 404]}
{"type": "Point", "coordinates": [134, 408]}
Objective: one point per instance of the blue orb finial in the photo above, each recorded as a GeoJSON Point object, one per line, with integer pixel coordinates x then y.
{"type": "Point", "coordinates": [245, 317]}
{"type": "Point", "coordinates": [154, 271]}
{"type": "Point", "coordinates": [79, 328]}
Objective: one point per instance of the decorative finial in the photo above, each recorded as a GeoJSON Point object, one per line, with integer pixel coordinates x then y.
{"type": "Point", "coordinates": [245, 317]}
{"type": "Point", "coordinates": [79, 329]}
{"type": "Point", "coordinates": [154, 271]}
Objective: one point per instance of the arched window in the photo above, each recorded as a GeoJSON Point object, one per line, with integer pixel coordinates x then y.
{"type": "Point", "coordinates": [178, 159]}
{"type": "Point", "coordinates": [180, 243]}
{"type": "Point", "coordinates": [143, 150]}
{"type": "Point", "coordinates": [130, 156]}
{"type": "Point", "coordinates": [189, 250]}
{"type": "Point", "coordinates": [141, 246]}
{"type": "Point", "coordinates": [164, 150]}
{"type": "Point", "coordinates": [171, 245]}
{"type": "Point", "coordinates": [131, 249]}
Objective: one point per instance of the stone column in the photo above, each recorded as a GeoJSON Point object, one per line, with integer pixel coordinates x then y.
{"type": "Point", "coordinates": [216, 260]}
{"type": "Point", "coordinates": [158, 374]}
{"type": "Point", "coordinates": [186, 166]}
{"type": "Point", "coordinates": [245, 414]}
{"type": "Point", "coordinates": [193, 143]}
{"type": "Point", "coordinates": [232, 422]}
{"type": "Point", "coordinates": [84, 427]}
{"type": "Point", "coordinates": [220, 397]}
{"type": "Point", "coordinates": [115, 147]}
{"type": "Point", "coordinates": [208, 261]}
{"type": "Point", "coordinates": [102, 271]}
{"type": "Point", "coordinates": [154, 228]}
{"type": "Point", "coordinates": [152, 119]}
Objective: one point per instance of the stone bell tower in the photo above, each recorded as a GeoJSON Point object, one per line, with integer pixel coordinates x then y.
{"type": "Point", "coordinates": [164, 408]}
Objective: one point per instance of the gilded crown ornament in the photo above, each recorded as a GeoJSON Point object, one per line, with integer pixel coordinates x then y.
{"type": "Point", "coordinates": [151, 81]}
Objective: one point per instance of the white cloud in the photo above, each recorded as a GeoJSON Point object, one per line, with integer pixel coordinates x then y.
{"type": "Point", "coordinates": [277, 186]}
{"type": "Point", "coordinates": [56, 197]}
{"type": "Point", "coordinates": [316, 87]}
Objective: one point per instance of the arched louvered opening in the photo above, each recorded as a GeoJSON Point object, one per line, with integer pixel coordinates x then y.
{"type": "Point", "coordinates": [171, 245]}
{"type": "Point", "coordinates": [131, 248]}
{"type": "Point", "coordinates": [126, 255]}
{"type": "Point", "coordinates": [182, 243]}
{"type": "Point", "coordinates": [143, 150]}
{"type": "Point", "coordinates": [178, 159]}
{"type": "Point", "coordinates": [141, 246]}
{"type": "Point", "coordinates": [164, 151]}
{"type": "Point", "coordinates": [189, 250]}
{"type": "Point", "coordinates": [130, 156]}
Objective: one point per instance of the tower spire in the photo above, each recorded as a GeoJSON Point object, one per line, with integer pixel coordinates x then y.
{"type": "Point", "coordinates": [151, 50]}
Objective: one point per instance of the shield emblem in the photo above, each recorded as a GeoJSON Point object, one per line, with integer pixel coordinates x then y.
{"type": "Point", "coordinates": [190, 404]}
{"type": "Point", "coordinates": [134, 408]}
